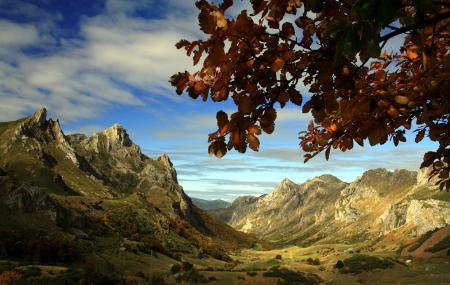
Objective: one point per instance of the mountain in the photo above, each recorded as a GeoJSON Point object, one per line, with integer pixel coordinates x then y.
{"type": "Point", "coordinates": [376, 207]}
{"type": "Point", "coordinates": [98, 201]}
{"type": "Point", "coordinates": [210, 204]}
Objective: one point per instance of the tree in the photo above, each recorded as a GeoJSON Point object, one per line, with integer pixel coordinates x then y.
{"type": "Point", "coordinates": [356, 91]}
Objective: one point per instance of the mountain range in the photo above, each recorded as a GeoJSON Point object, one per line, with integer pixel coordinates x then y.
{"type": "Point", "coordinates": [324, 209]}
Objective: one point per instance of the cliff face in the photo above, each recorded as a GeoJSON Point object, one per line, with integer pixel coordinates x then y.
{"type": "Point", "coordinates": [373, 189]}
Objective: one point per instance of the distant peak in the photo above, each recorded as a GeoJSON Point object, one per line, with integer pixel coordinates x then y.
{"type": "Point", "coordinates": [165, 160]}
{"type": "Point", "coordinates": [117, 127]}
{"type": "Point", "coordinates": [329, 178]}
{"type": "Point", "coordinates": [287, 181]}
{"type": "Point", "coordinates": [39, 117]}
{"type": "Point", "coordinates": [285, 184]}
{"type": "Point", "coordinates": [118, 134]}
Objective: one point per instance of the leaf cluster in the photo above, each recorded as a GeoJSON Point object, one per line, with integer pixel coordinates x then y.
{"type": "Point", "coordinates": [356, 92]}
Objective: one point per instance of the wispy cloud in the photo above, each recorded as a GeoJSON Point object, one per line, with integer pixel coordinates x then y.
{"type": "Point", "coordinates": [83, 76]}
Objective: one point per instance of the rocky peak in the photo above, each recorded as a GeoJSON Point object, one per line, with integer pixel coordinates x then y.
{"type": "Point", "coordinates": [287, 184]}
{"type": "Point", "coordinates": [114, 139]}
{"type": "Point", "coordinates": [398, 177]}
{"type": "Point", "coordinates": [117, 135]}
{"type": "Point", "coordinates": [38, 128]}
{"type": "Point", "coordinates": [168, 165]}
{"type": "Point", "coordinates": [33, 124]}
{"type": "Point", "coordinates": [39, 118]}
{"type": "Point", "coordinates": [423, 177]}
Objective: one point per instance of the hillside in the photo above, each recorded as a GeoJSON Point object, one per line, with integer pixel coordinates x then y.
{"type": "Point", "coordinates": [97, 200]}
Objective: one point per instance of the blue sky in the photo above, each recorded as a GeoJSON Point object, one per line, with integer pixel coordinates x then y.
{"type": "Point", "coordinates": [96, 63]}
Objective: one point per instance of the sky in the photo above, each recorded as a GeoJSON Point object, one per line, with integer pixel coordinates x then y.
{"type": "Point", "coordinates": [94, 63]}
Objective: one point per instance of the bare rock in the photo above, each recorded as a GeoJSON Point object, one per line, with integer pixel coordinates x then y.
{"type": "Point", "coordinates": [168, 165]}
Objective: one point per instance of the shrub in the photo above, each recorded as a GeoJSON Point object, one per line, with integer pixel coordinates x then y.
{"type": "Point", "coordinates": [288, 277]}
{"type": "Point", "coordinates": [175, 269]}
{"type": "Point", "coordinates": [311, 261]}
{"type": "Point", "coordinates": [360, 262]}
{"type": "Point", "coordinates": [278, 256]}
{"type": "Point", "coordinates": [187, 266]}
{"type": "Point", "coordinates": [339, 264]}
{"type": "Point", "coordinates": [191, 277]}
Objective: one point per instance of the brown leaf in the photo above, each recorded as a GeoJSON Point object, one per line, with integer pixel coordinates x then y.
{"type": "Point", "coordinates": [246, 105]}
{"type": "Point", "coordinates": [254, 130]}
{"type": "Point", "coordinates": [206, 21]}
{"type": "Point", "coordinates": [420, 135]}
{"type": "Point", "coordinates": [221, 21]}
{"type": "Point", "coordinates": [402, 100]}
{"type": "Point", "coordinates": [253, 142]}
{"type": "Point", "coordinates": [278, 64]}
{"type": "Point", "coordinates": [222, 119]}
{"type": "Point", "coordinates": [327, 153]}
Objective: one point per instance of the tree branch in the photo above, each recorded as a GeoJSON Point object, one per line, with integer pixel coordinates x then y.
{"type": "Point", "coordinates": [402, 30]}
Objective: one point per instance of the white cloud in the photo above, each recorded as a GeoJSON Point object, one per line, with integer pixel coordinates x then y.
{"type": "Point", "coordinates": [14, 35]}
{"type": "Point", "coordinates": [83, 78]}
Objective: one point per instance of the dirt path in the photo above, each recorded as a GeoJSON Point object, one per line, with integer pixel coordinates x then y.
{"type": "Point", "coordinates": [434, 239]}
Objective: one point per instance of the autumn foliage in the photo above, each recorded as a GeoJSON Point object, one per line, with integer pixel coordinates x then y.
{"type": "Point", "coordinates": [357, 92]}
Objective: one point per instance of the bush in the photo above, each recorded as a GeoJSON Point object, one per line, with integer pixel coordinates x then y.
{"type": "Point", "coordinates": [339, 264]}
{"type": "Point", "coordinates": [187, 266]}
{"type": "Point", "coordinates": [278, 256]}
{"type": "Point", "coordinates": [360, 263]}
{"type": "Point", "coordinates": [289, 277]}
{"type": "Point", "coordinates": [175, 269]}
{"type": "Point", "coordinates": [192, 277]}
{"type": "Point", "coordinates": [311, 261]}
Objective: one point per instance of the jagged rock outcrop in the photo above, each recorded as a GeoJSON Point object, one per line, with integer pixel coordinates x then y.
{"type": "Point", "coordinates": [167, 163]}
{"type": "Point", "coordinates": [41, 131]}
{"type": "Point", "coordinates": [424, 215]}
{"type": "Point", "coordinates": [114, 140]}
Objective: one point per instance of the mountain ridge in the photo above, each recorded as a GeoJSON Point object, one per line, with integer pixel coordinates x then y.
{"type": "Point", "coordinates": [375, 205]}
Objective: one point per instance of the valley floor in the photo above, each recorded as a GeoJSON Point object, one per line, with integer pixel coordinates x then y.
{"type": "Point", "coordinates": [289, 265]}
